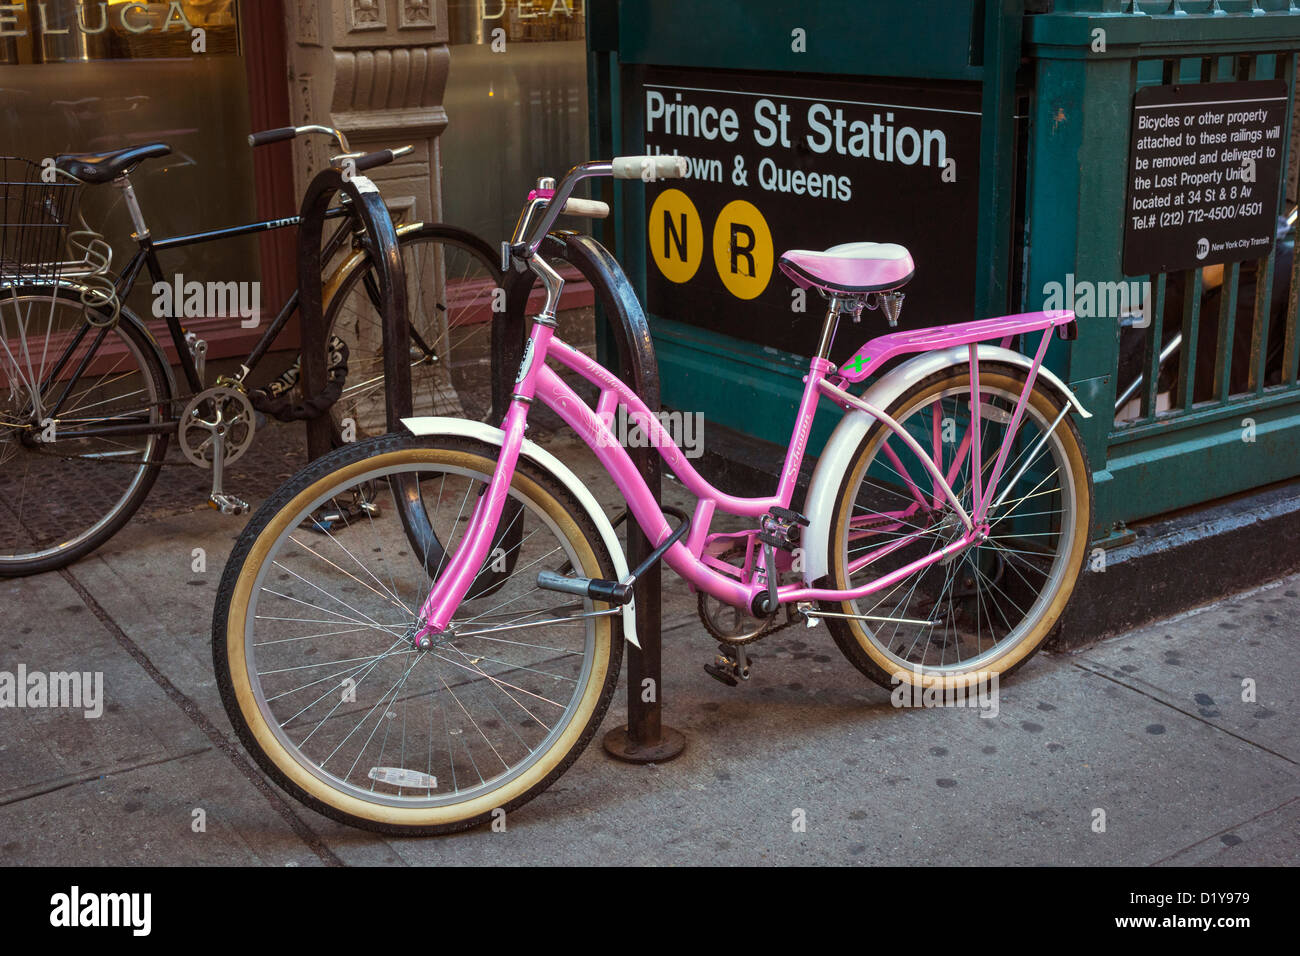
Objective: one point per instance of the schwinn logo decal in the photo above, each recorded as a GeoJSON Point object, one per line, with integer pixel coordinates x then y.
{"type": "Point", "coordinates": [800, 440]}
{"type": "Point", "coordinates": [599, 372]}
{"type": "Point", "coordinates": [527, 364]}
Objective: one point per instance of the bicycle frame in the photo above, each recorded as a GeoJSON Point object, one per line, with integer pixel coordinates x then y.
{"type": "Point", "coordinates": [537, 381]}
{"type": "Point", "coordinates": [146, 259]}
{"type": "Point", "coordinates": [147, 256]}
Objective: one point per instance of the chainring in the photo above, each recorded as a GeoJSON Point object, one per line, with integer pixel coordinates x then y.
{"type": "Point", "coordinates": [217, 413]}
{"type": "Point", "coordinates": [730, 624]}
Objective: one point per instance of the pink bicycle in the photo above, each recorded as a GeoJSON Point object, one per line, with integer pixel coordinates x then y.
{"type": "Point", "coordinates": [419, 630]}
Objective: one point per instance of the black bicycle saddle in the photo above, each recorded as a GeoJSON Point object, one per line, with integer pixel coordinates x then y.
{"type": "Point", "coordinates": [105, 167]}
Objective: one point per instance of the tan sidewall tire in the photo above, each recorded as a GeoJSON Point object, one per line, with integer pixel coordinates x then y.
{"type": "Point", "coordinates": [860, 650]}
{"type": "Point", "coordinates": [458, 816]}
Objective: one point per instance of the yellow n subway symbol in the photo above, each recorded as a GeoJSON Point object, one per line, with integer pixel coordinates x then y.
{"type": "Point", "coordinates": [676, 235]}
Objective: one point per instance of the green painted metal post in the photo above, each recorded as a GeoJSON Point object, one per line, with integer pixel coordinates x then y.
{"type": "Point", "coordinates": [1003, 21]}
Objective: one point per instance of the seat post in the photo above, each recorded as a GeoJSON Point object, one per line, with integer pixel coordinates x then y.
{"type": "Point", "coordinates": [123, 183]}
{"type": "Point", "coordinates": [839, 305]}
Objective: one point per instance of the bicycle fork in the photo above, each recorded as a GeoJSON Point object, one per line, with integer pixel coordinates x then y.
{"type": "Point", "coordinates": [453, 585]}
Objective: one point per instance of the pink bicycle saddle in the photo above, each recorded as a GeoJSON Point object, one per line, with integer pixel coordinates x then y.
{"type": "Point", "coordinates": [850, 267]}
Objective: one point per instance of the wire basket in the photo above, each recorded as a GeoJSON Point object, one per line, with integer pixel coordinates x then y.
{"type": "Point", "coordinates": [35, 221]}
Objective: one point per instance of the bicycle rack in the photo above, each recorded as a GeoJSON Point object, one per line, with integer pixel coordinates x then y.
{"type": "Point", "coordinates": [645, 739]}
{"type": "Point", "coordinates": [374, 215]}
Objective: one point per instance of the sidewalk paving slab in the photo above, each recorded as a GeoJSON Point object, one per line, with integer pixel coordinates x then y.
{"type": "Point", "coordinates": [144, 816]}
{"type": "Point", "coordinates": [120, 788]}
{"type": "Point", "coordinates": [44, 748]}
{"type": "Point", "coordinates": [1198, 663]}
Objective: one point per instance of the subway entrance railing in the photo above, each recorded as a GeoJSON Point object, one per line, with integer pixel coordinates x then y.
{"type": "Point", "coordinates": [1221, 413]}
{"type": "Point", "coordinates": [1027, 106]}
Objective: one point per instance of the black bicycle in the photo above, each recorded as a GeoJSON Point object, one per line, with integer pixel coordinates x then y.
{"type": "Point", "coordinates": [89, 402]}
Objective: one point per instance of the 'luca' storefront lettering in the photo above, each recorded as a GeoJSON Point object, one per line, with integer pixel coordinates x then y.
{"type": "Point", "coordinates": [92, 18]}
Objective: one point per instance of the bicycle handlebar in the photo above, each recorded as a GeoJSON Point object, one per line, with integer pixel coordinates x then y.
{"type": "Point", "coordinates": [380, 157]}
{"type": "Point", "coordinates": [531, 229]}
{"type": "Point", "coordinates": [289, 132]}
{"type": "Point", "coordinates": [360, 161]}
{"type": "Point", "coordinates": [268, 136]}
{"type": "Point", "coordinates": [587, 208]}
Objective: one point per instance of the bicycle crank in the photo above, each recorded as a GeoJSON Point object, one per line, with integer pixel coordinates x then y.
{"type": "Point", "coordinates": [729, 624]}
{"type": "Point", "coordinates": [216, 414]}
{"type": "Point", "coordinates": [216, 428]}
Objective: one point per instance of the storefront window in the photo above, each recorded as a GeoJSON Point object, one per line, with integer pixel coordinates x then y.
{"type": "Point", "coordinates": [81, 76]}
{"type": "Point", "coordinates": [516, 105]}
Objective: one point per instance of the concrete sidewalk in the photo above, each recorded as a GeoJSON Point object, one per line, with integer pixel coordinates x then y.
{"type": "Point", "coordinates": [1149, 727]}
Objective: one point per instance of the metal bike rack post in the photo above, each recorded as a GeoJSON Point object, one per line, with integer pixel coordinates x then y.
{"type": "Point", "coordinates": [369, 206]}
{"type": "Point", "coordinates": [645, 739]}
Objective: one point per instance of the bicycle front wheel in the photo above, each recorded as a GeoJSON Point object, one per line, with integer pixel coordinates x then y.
{"type": "Point", "coordinates": [451, 281]}
{"type": "Point", "coordinates": [72, 469]}
{"type": "Point", "coordinates": [313, 641]}
{"type": "Point", "coordinates": [983, 610]}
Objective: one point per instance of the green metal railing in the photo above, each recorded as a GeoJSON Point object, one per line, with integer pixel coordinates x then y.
{"type": "Point", "coordinates": [1193, 447]}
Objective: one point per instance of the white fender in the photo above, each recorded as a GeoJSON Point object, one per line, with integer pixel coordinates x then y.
{"type": "Point", "coordinates": [838, 454]}
{"type": "Point", "coordinates": [483, 432]}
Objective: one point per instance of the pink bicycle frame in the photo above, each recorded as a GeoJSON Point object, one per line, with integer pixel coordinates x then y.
{"type": "Point", "coordinates": [538, 382]}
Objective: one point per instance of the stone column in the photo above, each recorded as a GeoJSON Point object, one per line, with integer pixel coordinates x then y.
{"type": "Point", "coordinates": [377, 70]}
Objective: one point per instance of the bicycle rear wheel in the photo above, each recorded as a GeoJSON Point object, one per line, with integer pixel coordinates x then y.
{"type": "Point", "coordinates": [451, 281]}
{"type": "Point", "coordinates": [983, 610]}
{"type": "Point", "coordinates": [63, 492]}
{"type": "Point", "coordinates": [315, 657]}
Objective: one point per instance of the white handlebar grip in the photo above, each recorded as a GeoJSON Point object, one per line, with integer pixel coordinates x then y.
{"type": "Point", "coordinates": [649, 168]}
{"type": "Point", "coordinates": [589, 208]}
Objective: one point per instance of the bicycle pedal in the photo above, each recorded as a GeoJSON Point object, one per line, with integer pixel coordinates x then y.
{"type": "Point", "coordinates": [228, 505]}
{"type": "Point", "coordinates": [793, 517]}
{"type": "Point", "coordinates": [802, 610]}
{"type": "Point", "coordinates": [721, 673]}
{"type": "Point", "coordinates": [730, 665]}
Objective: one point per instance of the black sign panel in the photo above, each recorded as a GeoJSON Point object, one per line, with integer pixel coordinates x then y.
{"type": "Point", "coordinates": [1203, 174]}
{"type": "Point", "coordinates": [780, 162]}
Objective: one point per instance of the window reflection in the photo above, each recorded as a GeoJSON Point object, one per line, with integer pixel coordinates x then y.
{"type": "Point", "coordinates": [516, 105]}
{"type": "Point", "coordinates": [85, 92]}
